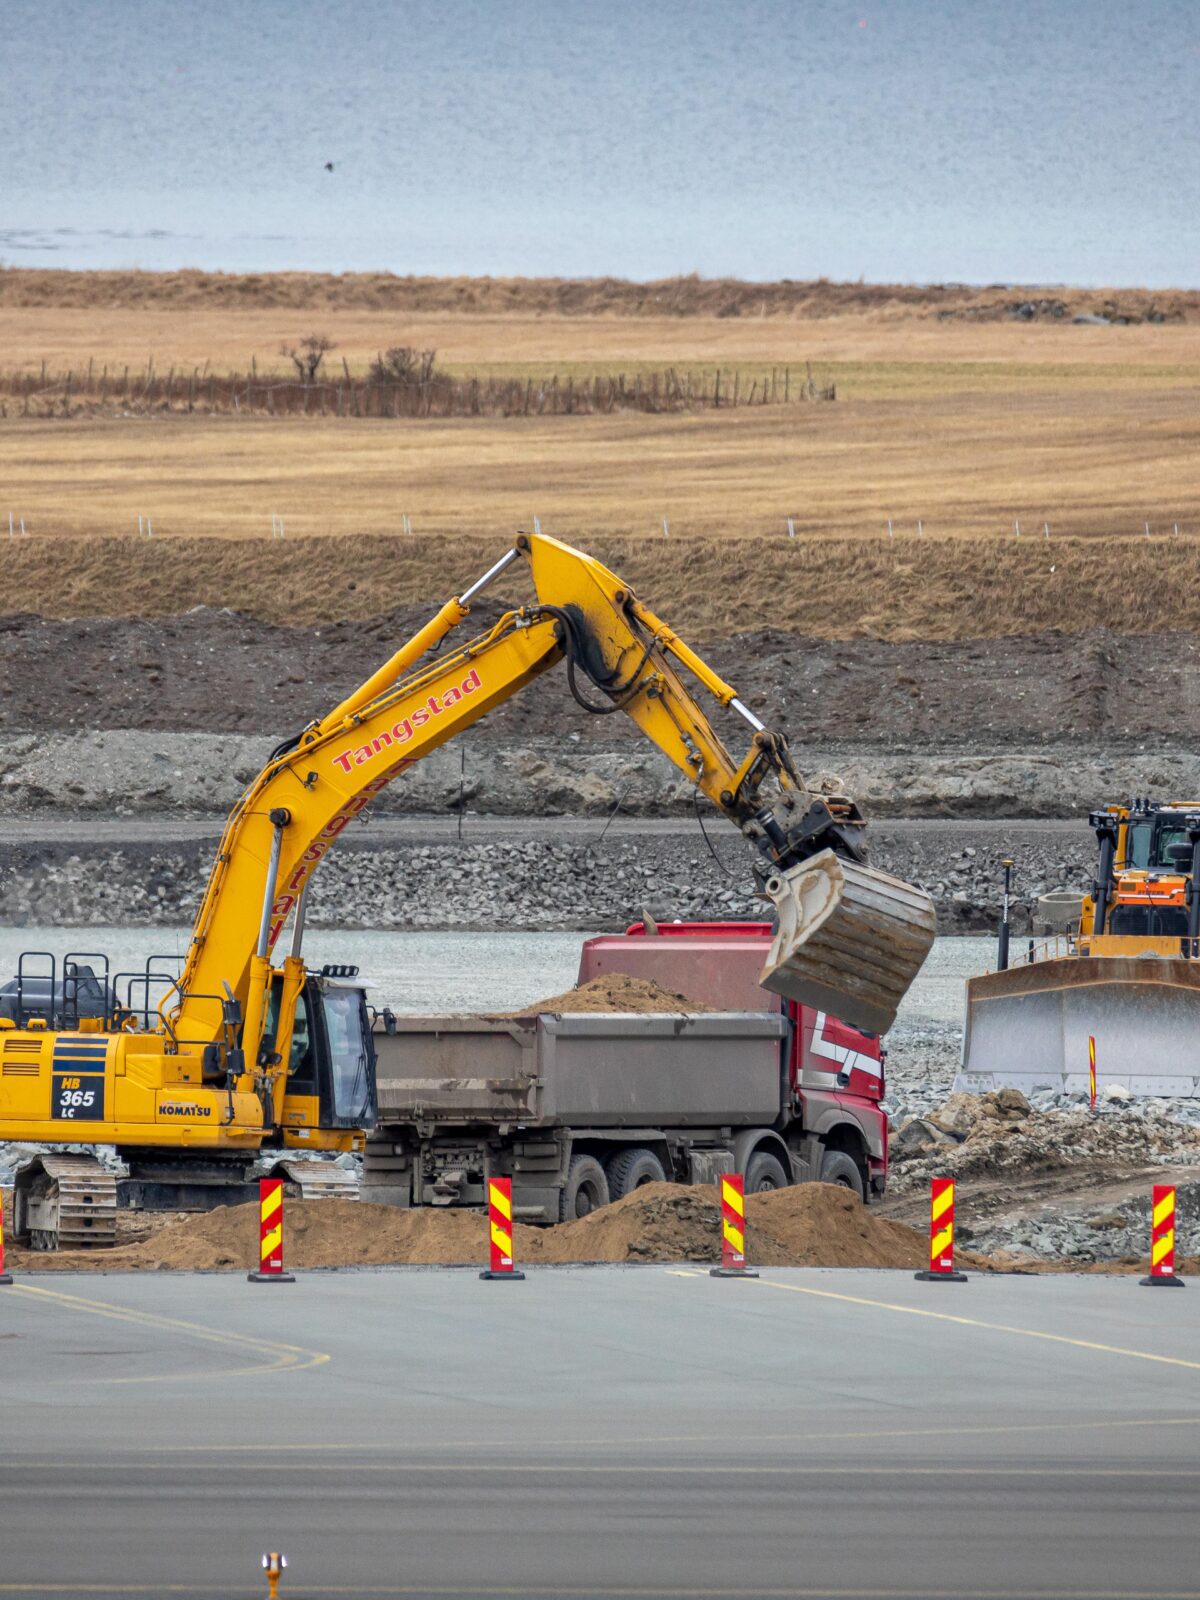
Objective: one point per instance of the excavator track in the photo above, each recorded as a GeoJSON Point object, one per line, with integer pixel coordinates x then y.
{"type": "Point", "coordinates": [317, 1180]}
{"type": "Point", "coordinates": [65, 1202]}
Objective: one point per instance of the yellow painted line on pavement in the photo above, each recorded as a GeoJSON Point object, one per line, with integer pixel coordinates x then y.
{"type": "Point", "coordinates": [962, 1322]}
{"type": "Point", "coordinates": [278, 1357]}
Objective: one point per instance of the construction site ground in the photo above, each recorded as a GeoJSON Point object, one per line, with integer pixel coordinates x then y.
{"type": "Point", "coordinates": [599, 1432]}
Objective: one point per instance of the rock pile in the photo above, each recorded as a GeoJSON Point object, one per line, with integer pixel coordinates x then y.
{"type": "Point", "coordinates": [1002, 1135]}
{"type": "Point", "coordinates": [522, 879]}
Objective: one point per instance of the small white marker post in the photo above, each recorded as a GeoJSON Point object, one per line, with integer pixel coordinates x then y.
{"type": "Point", "coordinates": [920, 529]}
{"type": "Point", "coordinates": [1045, 530]}
{"type": "Point", "coordinates": [149, 529]}
{"type": "Point", "coordinates": [891, 535]}
{"type": "Point", "coordinates": [537, 526]}
{"type": "Point", "coordinates": [791, 529]}
{"type": "Point", "coordinates": [141, 530]}
{"type": "Point", "coordinates": [1017, 526]}
{"type": "Point", "coordinates": [666, 529]}
{"type": "Point", "coordinates": [1147, 530]}
{"type": "Point", "coordinates": [22, 527]}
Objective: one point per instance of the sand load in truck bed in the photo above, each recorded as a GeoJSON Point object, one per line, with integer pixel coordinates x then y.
{"type": "Point", "coordinates": [850, 940]}
{"type": "Point", "coordinates": [615, 991]}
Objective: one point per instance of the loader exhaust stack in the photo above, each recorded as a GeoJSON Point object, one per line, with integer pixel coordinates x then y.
{"type": "Point", "coordinates": [850, 940]}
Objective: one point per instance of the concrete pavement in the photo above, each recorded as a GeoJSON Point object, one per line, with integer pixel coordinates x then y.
{"type": "Point", "coordinates": [599, 1431]}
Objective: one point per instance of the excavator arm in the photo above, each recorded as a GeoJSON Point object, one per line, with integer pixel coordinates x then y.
{"type": "Point", "coordinates": [850, 940]}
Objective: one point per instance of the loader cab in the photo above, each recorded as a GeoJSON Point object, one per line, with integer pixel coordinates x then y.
{"type": "Point", "coordinates": [331, 1062]}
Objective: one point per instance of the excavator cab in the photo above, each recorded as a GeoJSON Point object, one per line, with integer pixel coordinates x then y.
{"type": "Point", "coordinates": [331, 1058]}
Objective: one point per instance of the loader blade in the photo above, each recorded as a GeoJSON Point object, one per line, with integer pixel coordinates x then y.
{"type": "Point", "coordinates": [850, 940]}
{"type": "Point", "coordinates": [1028, 1028]}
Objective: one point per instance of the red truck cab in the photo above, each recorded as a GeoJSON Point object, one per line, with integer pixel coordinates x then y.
{"type": "Point", "coordinates": [835, 1072]}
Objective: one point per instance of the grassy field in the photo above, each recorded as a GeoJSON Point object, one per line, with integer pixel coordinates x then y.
{"type": "Point", "coordinates": [1093, 460]}
{"type": "Point", "coordinates": [946, 414]}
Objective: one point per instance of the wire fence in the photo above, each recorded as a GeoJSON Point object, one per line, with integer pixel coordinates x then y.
{"type": "Point", "coordinates": [66, 394]}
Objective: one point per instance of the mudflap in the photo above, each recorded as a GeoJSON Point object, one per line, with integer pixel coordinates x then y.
{"type": "Point", "coordinates": [850, 940]}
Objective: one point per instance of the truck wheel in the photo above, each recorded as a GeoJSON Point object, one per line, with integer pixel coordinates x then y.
{"type": "Point", "coordinates": [585, 1190]}
{"type": "Point", "coordinates": [837, 1167]}
{"type": "Point", "coordinates": [764, 1173]}
{"type": "Point", "coordinates": [630, 1169]}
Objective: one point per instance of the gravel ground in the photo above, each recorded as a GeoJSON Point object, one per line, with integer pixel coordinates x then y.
{"type": "Point", "coordinates": [571, 875]}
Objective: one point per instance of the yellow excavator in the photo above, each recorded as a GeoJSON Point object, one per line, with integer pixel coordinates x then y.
{"type": "Point", "coordinates": [245, 1060]}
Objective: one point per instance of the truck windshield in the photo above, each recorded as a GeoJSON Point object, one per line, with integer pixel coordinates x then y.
{"type": "Point", "coordinates": [350, 1078]}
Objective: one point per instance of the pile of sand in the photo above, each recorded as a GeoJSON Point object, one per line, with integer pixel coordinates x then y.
{"type": "Point", "coordinates": [614, 991]}
{"type": "Point", "coordinates": [811, 1225]}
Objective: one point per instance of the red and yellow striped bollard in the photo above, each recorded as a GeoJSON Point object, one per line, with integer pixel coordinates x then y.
{"type": "Point", "coordinates": [5, 1277]}
{"type": "Point", "coordinates": [1162, 1240]}
{"type": "Point", "coordinates": [500, 1230]}
{"type": "Point", "coordinates": [941, 1236]}
{"type": "Point", "coordinates": [733, 1229]}
{"type": "Point", "coordinates": [270, 1234]}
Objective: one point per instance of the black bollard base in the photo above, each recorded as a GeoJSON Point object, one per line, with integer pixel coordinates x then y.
{"type": "Point", "coordinates": [5, 1277]}
{"type": "Point", "coordinates": [1161, 1283]}
{"type": "Point", "coordinates": [731, 1272]}
{"type": "Point", "coordinates": [499, 1277]}
{"type": "Point", "coordinates": [940, 1277]}
{"type": "Point", "coordinates": [269, 1277]}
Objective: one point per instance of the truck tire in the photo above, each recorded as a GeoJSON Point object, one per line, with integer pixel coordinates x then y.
{"type": "Point", "coordinates": [630, 1169]}
{"type": "Point", "coordinates": [585, 1190]}
{"type": "Point", "coordinates": [837, 1167]}
{"type": "Point", "coordinates": [765, 1172]}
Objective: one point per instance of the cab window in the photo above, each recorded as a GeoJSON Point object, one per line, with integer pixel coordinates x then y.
{"type": "Point", "coordinates": [1137, 845]}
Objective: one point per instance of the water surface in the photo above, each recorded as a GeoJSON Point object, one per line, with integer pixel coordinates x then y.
{"type": "Point", "coordinates": [919, 140]}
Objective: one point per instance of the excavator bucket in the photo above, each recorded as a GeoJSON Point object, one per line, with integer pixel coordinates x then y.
{"type": "Point", "coordinates": [1027, 1028]}
{"type": "Point", "coordinates": [850, 940]}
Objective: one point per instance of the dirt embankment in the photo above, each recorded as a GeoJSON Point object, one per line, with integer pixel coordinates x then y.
{"type": "Point", "coordinates": [812, 1225]}
{"type": "Point", "coordinates": [688, 296]}
{"type": "Point", "coordinates": [224, 671]}
{"type": "Point", "coordinates": [840, 588]}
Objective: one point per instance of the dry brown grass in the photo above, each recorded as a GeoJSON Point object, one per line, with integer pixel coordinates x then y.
{"type": "Point", "coordinates": [902, 589]}
{"type": "Point", "coordinates": [1091, 462]}
{"type": "Point", "coordinates": [963, 423]}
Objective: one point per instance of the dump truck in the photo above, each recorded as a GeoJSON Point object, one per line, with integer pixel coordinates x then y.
{"type": "Point", "coordinates": [1120, 968]}
{"type": "Point", "coordinates": [190, 1083]}
{"type": "Point", "coordinates": [580, 1108]}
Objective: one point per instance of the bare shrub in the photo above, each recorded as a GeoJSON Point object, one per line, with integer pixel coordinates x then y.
{"type": "Point", "coordinates": [308, 358]}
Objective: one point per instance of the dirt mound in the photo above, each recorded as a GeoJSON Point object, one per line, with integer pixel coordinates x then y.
{"type": "Point", "coordinates": [812, 1225]}
{"type": "Point", "coordinates": [615, 991]}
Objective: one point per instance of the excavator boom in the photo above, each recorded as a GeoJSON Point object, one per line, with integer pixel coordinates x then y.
{"type": "Point", "coordinates": [862, 950]}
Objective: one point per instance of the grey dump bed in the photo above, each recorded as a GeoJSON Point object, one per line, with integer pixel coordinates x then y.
{"type": "Point", "coordinates": [603, 1070]}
